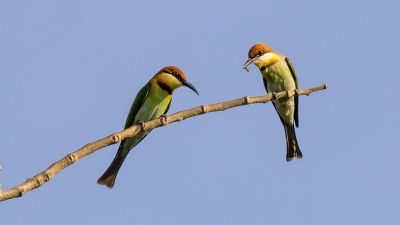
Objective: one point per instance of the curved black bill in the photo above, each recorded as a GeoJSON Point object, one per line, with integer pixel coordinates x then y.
{"type": "Point", "coordinates": [248, 63]}
{"type": "Point", "coordinates": [189, 85]}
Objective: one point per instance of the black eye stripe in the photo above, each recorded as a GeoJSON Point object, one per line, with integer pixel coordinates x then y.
{"type": "Point", "coordinates": [177, 76]}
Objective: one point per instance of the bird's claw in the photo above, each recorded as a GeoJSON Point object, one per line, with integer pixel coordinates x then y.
{"type": "Point", "coordinates": [142, 125]}
{"type": "Point", "coordinates": [274, 96]}
{"type": "Point", "coordinates": [163, 115]}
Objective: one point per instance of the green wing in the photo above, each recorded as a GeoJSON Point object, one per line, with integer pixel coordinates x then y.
{"type": "Point", "coordinates": [296, 98]}
{"type": "Point", "coordinates": [137, 103]}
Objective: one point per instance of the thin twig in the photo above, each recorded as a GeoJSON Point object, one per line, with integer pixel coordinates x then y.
{"type": "Point", "coordinates": [46, 175]}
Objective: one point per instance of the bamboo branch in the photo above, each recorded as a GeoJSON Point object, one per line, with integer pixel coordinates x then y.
{"type": "Point", "coordinates": [46, 175]}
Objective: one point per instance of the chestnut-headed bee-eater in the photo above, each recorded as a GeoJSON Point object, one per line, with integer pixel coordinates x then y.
{"type": "Point", "coordinates": [279, 75]}
{"type": "Point", "coordinates": [152, 101]}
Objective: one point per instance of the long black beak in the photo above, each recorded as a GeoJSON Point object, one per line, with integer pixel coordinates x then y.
{"type": "Point", "coordinates": [248, 63]}
{"type": "Point", "coordinates": [189, 85]}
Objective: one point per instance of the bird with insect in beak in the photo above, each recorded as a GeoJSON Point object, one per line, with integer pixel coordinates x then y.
{"type": "Point", "coordinates": [152, 101]}
{"type": "Point", "coordinates": [279, 75]}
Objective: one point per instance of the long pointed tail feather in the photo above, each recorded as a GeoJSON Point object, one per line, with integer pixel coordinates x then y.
{"type": "Point", "coordinates": [293, 149]}
{"type": "Point", "coordinates": [109, 176]}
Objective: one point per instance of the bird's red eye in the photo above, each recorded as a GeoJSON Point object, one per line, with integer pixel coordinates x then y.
{"type": "Point", "coordinates": [260, 52]}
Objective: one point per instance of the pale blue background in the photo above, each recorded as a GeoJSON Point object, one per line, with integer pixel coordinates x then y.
{"type": "Point", "coordinates": [69, 71]}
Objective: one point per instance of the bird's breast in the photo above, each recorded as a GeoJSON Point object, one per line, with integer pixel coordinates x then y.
{"type": "Point", "coordinates": [278, 77]}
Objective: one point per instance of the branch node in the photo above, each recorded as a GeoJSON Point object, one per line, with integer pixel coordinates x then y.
{"type": "Point", "coordinates": [116, 138]}
{"type": "Point", "coordinates": [47, 176]}
{"type": "Point", "coordinates": [34, 179]}
{"type": "Point", "coordinates": [246, 100]}
{"type": "Point", "coordinates": [164, 120]}
{"type": "Point", "coordinates": [72, 157]}
{"type": "Point", "coordinates": [203, 109]}
{"type": "Point", "coordinates": [20, 191]}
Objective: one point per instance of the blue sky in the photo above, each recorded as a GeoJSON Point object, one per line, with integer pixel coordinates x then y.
{"type": "Point", "coordinates": [69, 71]}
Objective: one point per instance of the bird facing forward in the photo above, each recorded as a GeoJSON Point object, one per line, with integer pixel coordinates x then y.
{"type": "Point", "coordinates": [152, 101]}
{"type": "Point", "coordinates": [279, 75]}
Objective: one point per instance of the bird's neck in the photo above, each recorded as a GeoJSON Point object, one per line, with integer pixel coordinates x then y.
{"type": "Point", "coordinates": [164, 87]}
{"type": "Point", "coordinates": [166, 82]}
{"type": "Point", "coordinates": [158, 93]}
{"type": "Point", "coordinates": [268, 59]}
